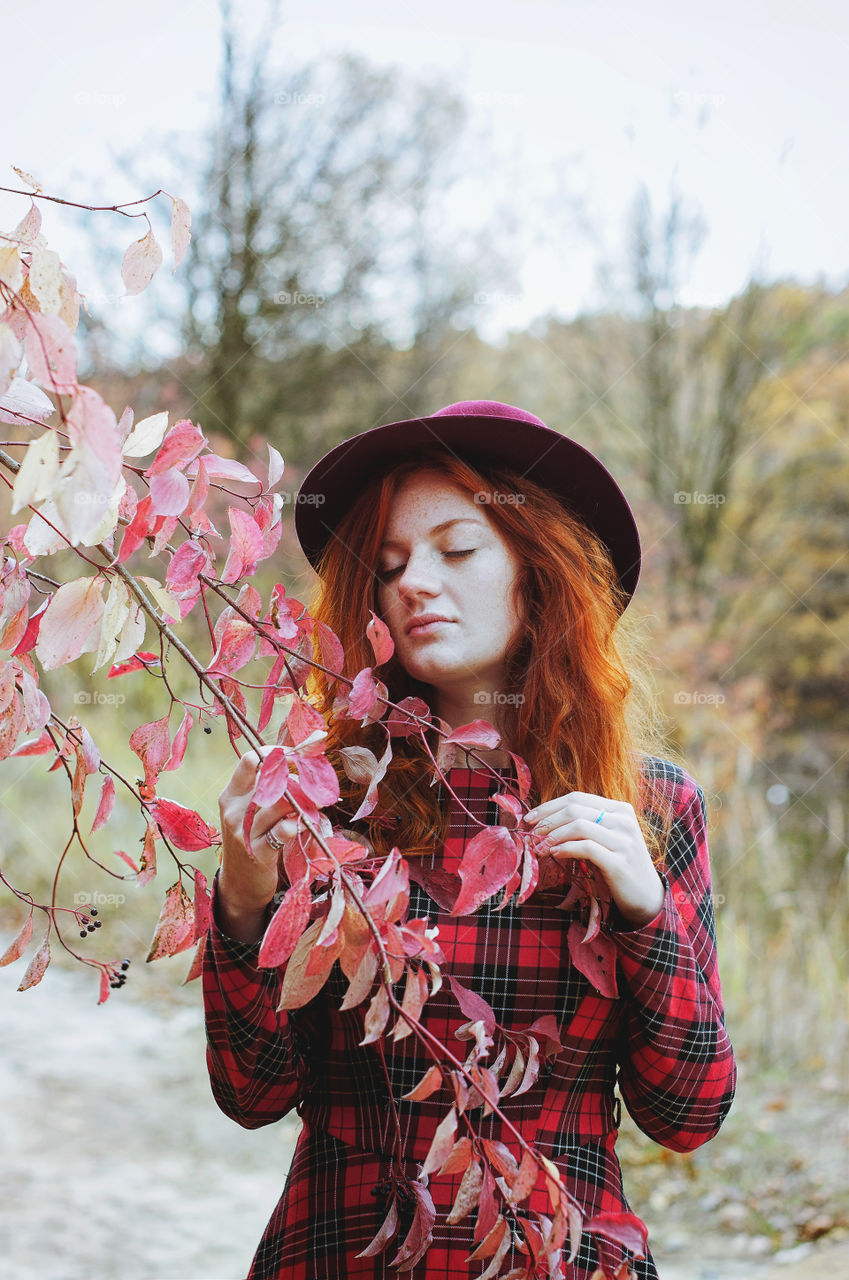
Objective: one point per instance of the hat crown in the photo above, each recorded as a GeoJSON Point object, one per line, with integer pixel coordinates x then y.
{"type": "Point", "coordinates": [486, 409]}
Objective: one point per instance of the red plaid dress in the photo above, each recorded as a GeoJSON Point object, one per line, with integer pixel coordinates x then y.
{"type": "Point", "coordinates": [662, 1041]}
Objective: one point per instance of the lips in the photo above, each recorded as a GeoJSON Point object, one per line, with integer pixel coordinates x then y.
{"type": "Point", "coordinates": [422, 620]}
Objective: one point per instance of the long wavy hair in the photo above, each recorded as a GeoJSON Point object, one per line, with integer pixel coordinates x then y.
{"type": "Point", "coordinates": [587, 711]}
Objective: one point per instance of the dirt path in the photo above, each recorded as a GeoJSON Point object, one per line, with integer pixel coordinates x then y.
{"type": "Point", "coordinates": [117, 1164]}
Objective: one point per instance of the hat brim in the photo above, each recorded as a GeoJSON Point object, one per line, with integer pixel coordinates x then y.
{"type": "Point", "coordinates": [535, 452]}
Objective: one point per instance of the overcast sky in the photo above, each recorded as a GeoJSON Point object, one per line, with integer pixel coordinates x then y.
{"type": "Point", "coordinates": [741, 105]}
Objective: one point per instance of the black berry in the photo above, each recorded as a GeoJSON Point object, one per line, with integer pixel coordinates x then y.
{"type": "Point", "coordinates": [92, 911]}
{"type": "Point", "coordinates": [98, 923]}
{"type": "Point", "coordinates": [83, 933]}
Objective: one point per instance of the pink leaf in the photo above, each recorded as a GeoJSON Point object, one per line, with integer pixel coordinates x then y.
{"type": "Point", "coordinates": [392, 879]}
{"type": "Point", "coordinates": [140, 263]}
{"type": "Point", "coordinates": [17, 948]}
{"type": "Point", "coordinates": [51, 353]}
{"type": "Point", "coordinates": [377, 1016]}
{"type": "Point", "coordinates": [182, 443]}
{"type": "Point", "coordinates": [300, 986]}
{"type": "Point", "coordinates": [70, 622]}
{"type": "Point", "coordinates": [318, 779]}
{"type": "Point", "coordinates": [196, 967]}
{"type": "Point", "coordinates": [36, 967]}
{"type": "Point", "coordinates": [473, 1005]}
{"type": "Point", "coordinates": [152, 744]}
{"type": "Point", "coordinates": [104, 986]}
{"type": "Point", "coordinates": [286, 926]}
{"type": "Point", "coordinates": [245, 546]}
{"type": "Point", "coordinates": [181, 221]}
{"type": "Point", "coordinates": [183, 827]}
{"type": "Point", "coordinates": [174, 930]}
{"type": "Point", "coordinates": [105, 804]}
{"type": "Point", "coordinates": [442, 1143]}
{"type": "Point", "coordinates": [381, 641]}
{"type": "Point", "coordinates": [490, 859]}
{"type": "Point", "coordinates": [478, 733]}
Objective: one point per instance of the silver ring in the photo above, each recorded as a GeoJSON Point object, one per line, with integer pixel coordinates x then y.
{"type": "Point", "coordinates": [272, 840]}
{"type": "Point", "coordinates": [601, 815]}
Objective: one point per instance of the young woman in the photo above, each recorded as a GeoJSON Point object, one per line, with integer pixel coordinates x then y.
{"type": "Point", "coordinates": [501, 556]}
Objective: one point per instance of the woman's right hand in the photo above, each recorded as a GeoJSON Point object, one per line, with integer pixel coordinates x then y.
{"type": "Point", "coordinates": [247, 884]}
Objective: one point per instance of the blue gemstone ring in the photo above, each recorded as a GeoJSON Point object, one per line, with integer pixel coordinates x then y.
{"type": "Point", "coordinates": [601, 815]}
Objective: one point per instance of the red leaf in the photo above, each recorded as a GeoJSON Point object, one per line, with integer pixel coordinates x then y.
{"type": "Point", "coordinates": [303, 721]}
{"type": "Point", "coordinates": [429, 1083]}
{"type": "Point", "coordinates": [174, 930]}
{"type": "Point", "coordinates": [202, 905]}
{"type": "Point", "coordinates": [107, 800]}
{"type": "Point", "coordinates": [152, 744]}
{"type": "Point", "coordinates": [488, 1212]}
{"type": "Point", "coordinates": [596, 960]}
{"type": "Point", "coordinates": [318, 779]}
{"type": "Point", "coordinates": [16, 949]}
{"type": "Point", "coordinates": [384, 1235]}
{"type": "Point", "coordinates": [140, 662]}
{"type": "Point", "coordinates": [36, 967]}
{"type": "Point", "coordinates": [488, 863]}
{"type": "Point", "coordinates": [625, 1228]}
{"type": "Point", "coordinates": [35, 746]}
{"type": "Point", "coordinates": [183, 827]}
{"type": "Point", "coordinates": [381, 641]}
{"type": "Point", "coordinates": [458, 1160]}
{"type": "Point", "coordinates": [363, 696]}
{"type": "Point", "coordinates": [361, 982]}
{"type": "Point", "coordinates": [501, 1158]}
{"type": "Point", "coordinates": [181, 737]}
{"type": "Point", "coordinates": [489, 1245]}
{"type": "Point", "coordinates": [473, 1005]}
{"type": "Point", "coordinates": [526, 1178]}
{"type": "Point", "coordinates": [415, 994]}
{"type": "Point", "coordinates": [196, 967]}
{"type": "Point", "coordinates": [531, 1070]}
{"type": "Point", "coordinates": [420, 1234]}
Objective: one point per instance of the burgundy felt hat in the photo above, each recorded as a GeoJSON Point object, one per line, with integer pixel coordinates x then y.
{"type": "Point", "coordinates": [488, 433]}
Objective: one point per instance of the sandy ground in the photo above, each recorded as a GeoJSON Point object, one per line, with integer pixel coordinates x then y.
{"type": "Point", "coordinates": [117, 1164]}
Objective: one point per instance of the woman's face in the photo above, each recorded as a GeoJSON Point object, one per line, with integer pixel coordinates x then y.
{"type": "Point", "coordinates": [442, 555]}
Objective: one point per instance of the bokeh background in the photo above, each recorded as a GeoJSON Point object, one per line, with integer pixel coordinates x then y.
{"type": "Point", "coordinates": [631, 221]}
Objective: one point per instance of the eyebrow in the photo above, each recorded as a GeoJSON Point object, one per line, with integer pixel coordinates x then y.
{"type": "Point", "coordinates": [437, 528]}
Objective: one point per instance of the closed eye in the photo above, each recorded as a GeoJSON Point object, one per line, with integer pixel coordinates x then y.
{"type": "Point", "coordinates": [387, 574]}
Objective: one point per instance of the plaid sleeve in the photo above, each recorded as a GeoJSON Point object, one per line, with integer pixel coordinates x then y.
{"type": "Point", "coordinates": [256, 1057]}
{"type": "Point", "coordinates": [677, 1072]}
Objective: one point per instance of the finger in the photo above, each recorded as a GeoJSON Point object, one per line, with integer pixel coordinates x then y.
{"type": "Point", "coordinates": [572, 810]}
{"type": "Point", "coordinates": [581, 831]}
{"type": "Point", "coordinates": [243, 778]}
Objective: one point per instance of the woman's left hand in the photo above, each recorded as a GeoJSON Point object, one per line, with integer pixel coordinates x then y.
{"type": "Point", "coordinates": [566, 827]}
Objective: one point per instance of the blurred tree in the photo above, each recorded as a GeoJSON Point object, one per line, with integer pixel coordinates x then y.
{"type": "Point", "coordinates": [319, 240]}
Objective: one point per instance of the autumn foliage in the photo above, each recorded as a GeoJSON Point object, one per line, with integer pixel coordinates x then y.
{"type": "Point", "coordinates": [79, 483]}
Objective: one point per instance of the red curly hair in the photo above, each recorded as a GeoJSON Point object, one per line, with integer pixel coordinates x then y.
{"type": "Point", "coordinates": [583, 721]}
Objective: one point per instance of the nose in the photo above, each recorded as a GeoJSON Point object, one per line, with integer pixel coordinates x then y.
{"type": "Point", "coordinates": [419, 575]}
